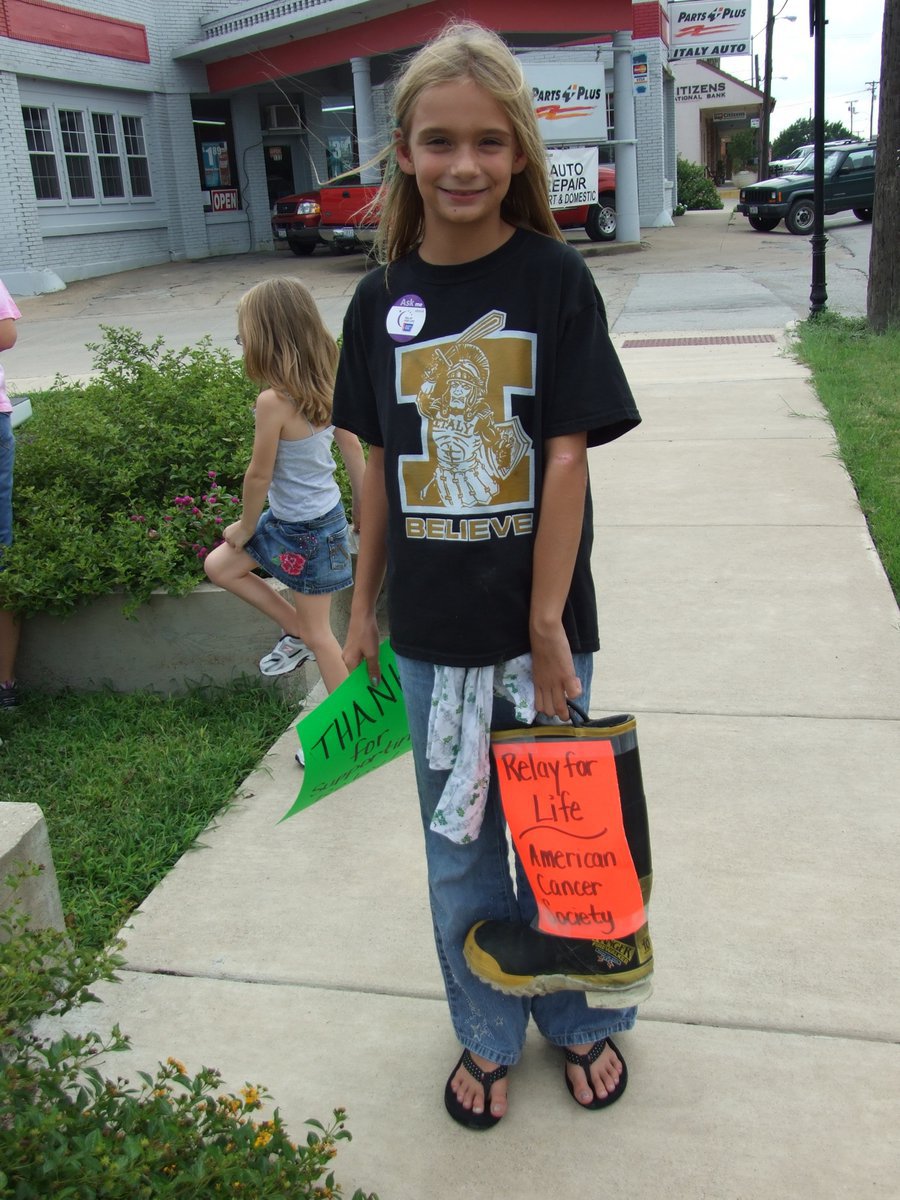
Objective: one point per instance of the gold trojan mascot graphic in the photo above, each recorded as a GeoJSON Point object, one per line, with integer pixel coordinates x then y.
{"type": "Point", "coordinates": [475, 451]}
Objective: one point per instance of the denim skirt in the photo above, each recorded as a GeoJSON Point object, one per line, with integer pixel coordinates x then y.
{"type": "Point", "coordinates": [312, 557]}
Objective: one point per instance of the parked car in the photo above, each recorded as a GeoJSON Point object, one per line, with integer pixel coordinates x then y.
{"type": "Point", "coordinates": [849, 185]}
{"type": "Point", "coordinates": [348, 223]}
{"type": "Point", "coordinates": [787, 166]}
{"type": "Point", "coordinates": [295, 219]}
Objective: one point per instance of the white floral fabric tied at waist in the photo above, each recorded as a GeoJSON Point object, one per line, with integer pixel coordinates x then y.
{"type": "Point", "coordinates": [459, 737]}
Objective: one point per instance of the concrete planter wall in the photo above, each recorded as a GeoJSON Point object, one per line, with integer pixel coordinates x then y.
{"type": "Point", "coordinates": [743, 178]}
{"type": "Point", "coordinates": [207, 636]}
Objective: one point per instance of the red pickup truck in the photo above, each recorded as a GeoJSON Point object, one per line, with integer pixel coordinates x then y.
{"type": "Point", "coordinates": [346, 222]}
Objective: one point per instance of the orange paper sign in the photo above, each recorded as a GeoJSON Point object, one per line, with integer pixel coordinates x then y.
{"type": "Point", "coordinates": [561, 801]}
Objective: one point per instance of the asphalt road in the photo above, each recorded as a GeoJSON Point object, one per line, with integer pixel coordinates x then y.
{"type": "Point", "coordinates": [710, 271]}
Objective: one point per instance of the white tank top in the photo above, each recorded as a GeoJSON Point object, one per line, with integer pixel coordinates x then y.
{"type": "Point", "coordinates": [303, 486]}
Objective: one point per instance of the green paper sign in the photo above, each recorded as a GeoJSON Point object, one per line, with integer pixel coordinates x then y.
{"type": "Point", "coordinates": [360, 726]}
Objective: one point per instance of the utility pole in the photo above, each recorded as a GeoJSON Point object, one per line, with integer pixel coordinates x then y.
{"type": "Point", "coordinates": [763, 171]}
{"type": "Point", "coordinates": [871, 85]}
{"type": "Point", "coordinates": [884, 258]}
{"type": "Point", "coordinates": [852, 107]}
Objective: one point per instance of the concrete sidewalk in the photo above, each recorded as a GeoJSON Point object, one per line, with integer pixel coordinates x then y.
{"type": "Point", "coordinates": [748, 623]}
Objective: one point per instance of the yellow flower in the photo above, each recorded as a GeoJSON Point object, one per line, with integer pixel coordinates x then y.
{"type": "Point", "coordinates": [262, 1139]}
{"type": "Point", "coordinates": [250, 1094]}
{"type": "Point", "coordinates": [179, 1066]}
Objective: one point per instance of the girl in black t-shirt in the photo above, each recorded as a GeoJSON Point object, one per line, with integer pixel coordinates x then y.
{"type": "Point", "coordinates": [477, 365]}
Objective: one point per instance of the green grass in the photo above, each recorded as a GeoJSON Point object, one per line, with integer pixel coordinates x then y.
{"type": "Point", "coordinates": [857, 377]}
{"type": "Point", "coordinates": [127, 782]}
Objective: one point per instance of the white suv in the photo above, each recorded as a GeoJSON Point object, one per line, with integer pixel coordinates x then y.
{"type": "Point", "coordinates": [788, 166]}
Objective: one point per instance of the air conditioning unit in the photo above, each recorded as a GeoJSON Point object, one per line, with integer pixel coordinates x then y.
{"type": "Point", "coordinates": [282, 116]}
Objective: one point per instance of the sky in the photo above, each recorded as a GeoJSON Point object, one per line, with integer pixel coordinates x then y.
{"type": "Point", "coordinates": [852, 59]}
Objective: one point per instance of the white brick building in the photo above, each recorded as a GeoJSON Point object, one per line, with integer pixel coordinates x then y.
{"type": "Point", "coordinates": [134, 134]}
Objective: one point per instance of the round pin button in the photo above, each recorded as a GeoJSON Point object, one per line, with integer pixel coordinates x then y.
{"type": "Point", "coordinates": [406, 318]}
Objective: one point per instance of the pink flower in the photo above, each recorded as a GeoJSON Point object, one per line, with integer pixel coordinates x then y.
{"type": "Point", "coordinates": [211, 474]}
{"type": "Point", "coordinates": [292, 564]}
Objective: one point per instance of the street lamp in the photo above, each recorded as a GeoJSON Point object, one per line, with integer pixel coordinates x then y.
{"type": "Point", "coordinates": [767, 89]}
{"type": "Point", "coordinates": [818, 292]}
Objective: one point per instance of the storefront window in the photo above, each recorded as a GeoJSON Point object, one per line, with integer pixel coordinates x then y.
{"type": "Point", "coordinates": [214, 140]}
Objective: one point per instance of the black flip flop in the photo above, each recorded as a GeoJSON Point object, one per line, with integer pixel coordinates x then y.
{"type": "Point", "coordinates": [487, 1079]}
{"type": "Point", "coordinates": [584, 1061]}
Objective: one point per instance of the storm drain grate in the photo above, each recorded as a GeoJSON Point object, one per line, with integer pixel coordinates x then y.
{"type": "Point", "coordinates": [737, 339]}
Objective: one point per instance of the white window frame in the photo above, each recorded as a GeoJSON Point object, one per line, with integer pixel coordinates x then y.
{"type": "Point", "coordinates": [124, 152]}
{"type": "Point", "coordinates": [46, 133]}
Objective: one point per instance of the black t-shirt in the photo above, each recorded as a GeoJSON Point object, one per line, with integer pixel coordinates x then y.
{"type": "Point", "coordinates": [461, 373]}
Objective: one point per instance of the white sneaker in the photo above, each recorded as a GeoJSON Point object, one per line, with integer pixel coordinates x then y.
{"type": "Point", "coordinates": [287, 654]}
{"type": "Point", "coordinates": [301, 761]}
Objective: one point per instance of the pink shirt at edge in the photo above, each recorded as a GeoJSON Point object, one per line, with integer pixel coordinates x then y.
{"type": "Point", "coordinates": [7, 309]}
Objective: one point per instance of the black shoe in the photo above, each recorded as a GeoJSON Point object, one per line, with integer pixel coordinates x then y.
{"type": "Point", "coordinates": [522, 961]}
{"type": "Point", "coordinates": [9, 697]}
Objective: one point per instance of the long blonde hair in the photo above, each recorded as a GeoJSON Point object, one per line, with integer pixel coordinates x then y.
{"type": "Point", "coordinates": [463, 50]}
{"type": "Point", "coordinates": [287, 347]}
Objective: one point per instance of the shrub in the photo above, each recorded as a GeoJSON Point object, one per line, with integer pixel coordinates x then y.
{"type": "Point", "coordinates": [66, 1130]}
{"type": "Point", "coordinates": [695, 191]}
{"type": "Point", "coordinates": [100, 465]}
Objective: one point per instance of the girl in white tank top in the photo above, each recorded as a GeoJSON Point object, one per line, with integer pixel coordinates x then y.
{"type": "Point", "coordinates": [301, 538]}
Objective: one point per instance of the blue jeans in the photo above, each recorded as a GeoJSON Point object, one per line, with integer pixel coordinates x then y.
{"type": "Point", "coordinates": [472, 883]}
{"type": "Point", "coordinates": [7, 459]}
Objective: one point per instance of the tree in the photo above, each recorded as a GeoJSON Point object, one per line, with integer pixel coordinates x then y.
{"type": "Point", "coordinates": [883, 299]}
{"type": "Point", "coordinates": [743, 149]}
{"type": "Point", "coordinates": [800, 133]}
